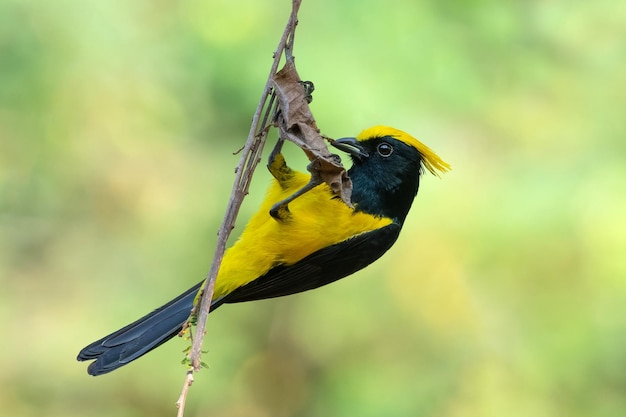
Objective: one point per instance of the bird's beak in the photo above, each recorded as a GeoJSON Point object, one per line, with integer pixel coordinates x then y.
{"type": "Point", "coordinates": [351, 146]}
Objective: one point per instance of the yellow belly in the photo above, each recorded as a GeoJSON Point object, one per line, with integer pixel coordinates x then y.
{"type": "Point", "coordinates": [317, 220]}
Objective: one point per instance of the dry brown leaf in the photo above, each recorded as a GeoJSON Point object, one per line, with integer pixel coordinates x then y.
{"type": "Point", "coordinates": [297, 125]}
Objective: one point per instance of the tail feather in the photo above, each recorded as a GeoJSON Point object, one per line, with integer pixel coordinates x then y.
{"type": "Point", "coordinates": [138, 338]}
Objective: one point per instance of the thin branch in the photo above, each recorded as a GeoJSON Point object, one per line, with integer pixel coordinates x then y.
{"type": "Point", "coordinates": [250, 158]}
{"type": "Point", "coordinates": [180, 404]}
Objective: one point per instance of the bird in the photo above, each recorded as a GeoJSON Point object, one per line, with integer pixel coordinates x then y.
{"type": "Point", "coordinates": [315, 241]}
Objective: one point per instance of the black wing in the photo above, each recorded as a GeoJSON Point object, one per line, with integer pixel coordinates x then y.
{"type": "Point", "coordinates": [320, 268]}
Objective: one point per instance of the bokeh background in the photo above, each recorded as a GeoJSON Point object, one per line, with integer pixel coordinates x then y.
{"type": "Point", "coordinates": [504, 296]}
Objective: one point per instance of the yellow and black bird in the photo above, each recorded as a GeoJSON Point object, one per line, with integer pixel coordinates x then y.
{"type": "Point", "coordinates": [318, 240]}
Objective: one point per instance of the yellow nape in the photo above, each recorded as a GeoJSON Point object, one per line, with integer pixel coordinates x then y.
{"type": "Point", "coordinates": [430, 159]}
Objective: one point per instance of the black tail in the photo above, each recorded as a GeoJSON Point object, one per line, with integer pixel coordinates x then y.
{"type": "Point", "coordinates": [140, 337]}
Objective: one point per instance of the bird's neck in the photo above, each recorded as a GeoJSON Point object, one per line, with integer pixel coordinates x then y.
{"type": "Point", "coordinates": [378, 197]}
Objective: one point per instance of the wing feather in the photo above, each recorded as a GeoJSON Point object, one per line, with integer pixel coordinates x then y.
{"type": "Point", "coordinates": [320, 268]}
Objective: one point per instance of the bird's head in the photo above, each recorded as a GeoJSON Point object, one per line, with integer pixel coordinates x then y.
{"type": "Point", "coordinates": [387, 164]}
{"type": "Point", "coordinates": [379, 143]}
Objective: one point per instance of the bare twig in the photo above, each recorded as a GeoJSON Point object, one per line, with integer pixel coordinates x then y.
{"type": "Point", "coordinates": [180, 404]}
{"type": "Point", "coordinates": [250, 158]}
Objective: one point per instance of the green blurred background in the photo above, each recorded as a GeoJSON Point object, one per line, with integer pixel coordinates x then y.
{"type": "Point", "coordinates": [504, 296]}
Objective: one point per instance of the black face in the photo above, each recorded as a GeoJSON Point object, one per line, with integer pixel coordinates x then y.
{"type": "Point", "coordinates": [385, 175]}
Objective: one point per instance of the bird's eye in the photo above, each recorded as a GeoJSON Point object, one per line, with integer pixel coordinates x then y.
{"type": "Point", "coordinates": [385, 149]}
